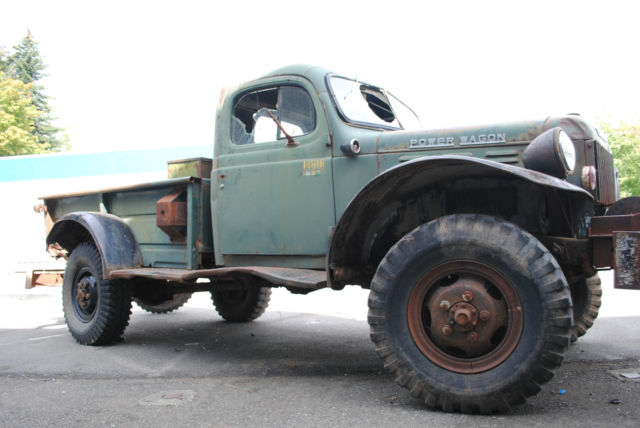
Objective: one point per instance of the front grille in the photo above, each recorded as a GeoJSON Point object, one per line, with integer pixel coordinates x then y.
{"type": "Point", "coordinates": [606, 189]}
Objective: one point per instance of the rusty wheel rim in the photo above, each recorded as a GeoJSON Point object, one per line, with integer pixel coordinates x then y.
{"type": "Point", "coordinates": [465, 317]}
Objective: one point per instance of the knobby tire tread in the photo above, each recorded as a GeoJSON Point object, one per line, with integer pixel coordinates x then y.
{"type": "Point", "coordinates": [250, 310]}
{"type": "Point", "coordinates": [555, 293]}
{"type": "Point", "coordinates": [114, 301]}
{"type": "Point", "coordinates": [167, 306]}
{"type": "Point", "coordinates": [585, 316]}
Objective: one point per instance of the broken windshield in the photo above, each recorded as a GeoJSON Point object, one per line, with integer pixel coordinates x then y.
{"type": "Point", "coordinates": [369, 105]}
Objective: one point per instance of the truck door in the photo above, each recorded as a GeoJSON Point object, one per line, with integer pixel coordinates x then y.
{"type": "Point", "coordinates": [273, 200]}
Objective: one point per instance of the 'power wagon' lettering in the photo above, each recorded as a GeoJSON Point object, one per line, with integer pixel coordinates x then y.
{"type": "Point", "coordinates": [463, 140]}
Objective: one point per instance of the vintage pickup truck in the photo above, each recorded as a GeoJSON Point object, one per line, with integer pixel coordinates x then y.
{"type": "Point", "coordinates": [480, 245]}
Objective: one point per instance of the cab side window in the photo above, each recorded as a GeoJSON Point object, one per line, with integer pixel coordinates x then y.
{"type": "Point", "coordinates": [255, 115]}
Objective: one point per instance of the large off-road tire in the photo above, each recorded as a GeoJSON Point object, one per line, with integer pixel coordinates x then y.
{"type": "Point", "coordinates": [159, 306]}
{"type": "Point", "coordinates": [246, 304]}
{"type": "Point", "coordinates": [96, 310]}
{"type": "Point", "coordinates": [470, 313]}
{"type": "Point", "coordinates": [628, 205]}
{"type": "Point", "coordinates": [586, 295]}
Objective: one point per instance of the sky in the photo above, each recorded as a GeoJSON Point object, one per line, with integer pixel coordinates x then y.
{"type": "Point", "coordinates": [144, 74]}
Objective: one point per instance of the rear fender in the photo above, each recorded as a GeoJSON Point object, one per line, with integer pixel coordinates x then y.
{"type": "Point", "coordinates": [111, 235]}
{"type": "Point", "coordinates": [353, 234]}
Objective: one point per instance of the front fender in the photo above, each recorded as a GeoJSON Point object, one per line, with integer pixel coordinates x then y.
{"type": "Point", "coordinates": [410, 178]}
{"type": "Point", "coordinates": [111, 235]}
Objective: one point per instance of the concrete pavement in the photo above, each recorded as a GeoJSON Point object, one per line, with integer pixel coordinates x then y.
{"type": "Point", "coordinates": [307, 362]}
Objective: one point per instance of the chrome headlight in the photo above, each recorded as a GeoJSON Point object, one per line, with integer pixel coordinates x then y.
{"type": "Point", "coordinates": [551, 152]}
{"type": "Point", "coordinates": [568, 151]}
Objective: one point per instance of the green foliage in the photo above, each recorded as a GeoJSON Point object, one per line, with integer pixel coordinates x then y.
{"type": "Point", "coordinates": [624, 139]}
{"type": "Point", "coordinates": [26, 64]}
{"type": "Point", "coordinates": [18, 116]}
{"type": "Point", "coordinates": [4, 64]}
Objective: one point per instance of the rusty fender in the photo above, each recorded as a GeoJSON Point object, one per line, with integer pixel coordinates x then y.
{"type": "Point", "coordinates": [110, 234]}
{"type": "Point", "coordinates": [351, 231]}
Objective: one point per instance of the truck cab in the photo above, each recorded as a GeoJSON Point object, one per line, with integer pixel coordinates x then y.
{"type": "Point", "coordinates": [343, 133]}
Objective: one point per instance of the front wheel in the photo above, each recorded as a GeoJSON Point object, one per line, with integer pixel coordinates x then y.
{"type": "Point", "coordinates": [470, 313]}
{"type": "Point", "coordinates": [586, 295]}
{"type": "Point", "coordinates": [96, 310]}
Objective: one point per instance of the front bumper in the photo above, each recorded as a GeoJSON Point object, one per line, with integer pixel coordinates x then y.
{"type": "Point", "coordinates": [616, 244]}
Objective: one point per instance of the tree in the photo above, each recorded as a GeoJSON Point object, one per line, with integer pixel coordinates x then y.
{"type": "Point", "coordinates": [26, 65]}
{"type": "Point", "coordinates": [4, 65]}
{"type": "Point", "coordinates": [18, 116]}
{"type": "Point", "coordinates": [624, 139]}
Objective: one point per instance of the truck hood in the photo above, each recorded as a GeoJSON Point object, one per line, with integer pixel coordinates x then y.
{"type": "Point", "coordinates": [521, 132]}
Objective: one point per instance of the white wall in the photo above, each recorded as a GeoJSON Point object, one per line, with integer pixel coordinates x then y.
{"type": "Point", "coordinates": [23, 231]}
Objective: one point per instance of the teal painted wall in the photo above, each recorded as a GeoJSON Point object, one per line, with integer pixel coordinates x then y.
{"type": "Point", "coordinates": [65, 165]}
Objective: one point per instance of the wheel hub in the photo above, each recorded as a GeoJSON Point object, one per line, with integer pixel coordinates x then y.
{"type": "Point", "coordinates": [458, 325]}
{"type": "Point", "coordinates": [465, 317]}
{"type": "Point", "coordinates": [86, 295]}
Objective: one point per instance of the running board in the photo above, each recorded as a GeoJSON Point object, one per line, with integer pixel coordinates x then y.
{"type": "Point", "coordinates": [288, 277]}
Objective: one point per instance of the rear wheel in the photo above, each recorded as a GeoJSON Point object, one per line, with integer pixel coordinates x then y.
{"type": "Point", "coordinates": [448, 308]}
{"type": "Point", "coordinates": [163, 304]}
{"type": "Point", "coordinates": [96, 310]}
{"type": "Point", "coordinates": [586, 295]}
{"type": "Point", "coordinates": [243, 304]}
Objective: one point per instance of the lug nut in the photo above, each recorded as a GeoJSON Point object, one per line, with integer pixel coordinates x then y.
{"type": "Point", "coordinates": [467, 296]}
{"type": "Point", "coordinates": [447, 330]}
{"type": "Point", "coordinates": [472, 337]}
{"type": "Point", "coordinates": [485, 315]}
{"type": "Point", "coordinates": [445, 305]}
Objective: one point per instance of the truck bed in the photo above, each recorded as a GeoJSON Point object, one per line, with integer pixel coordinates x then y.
{"type": "Point", "coordinates": [170, 219]}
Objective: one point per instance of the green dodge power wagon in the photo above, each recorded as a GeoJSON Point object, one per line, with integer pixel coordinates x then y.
{"type": "Point", "coordinates": [480, 245]}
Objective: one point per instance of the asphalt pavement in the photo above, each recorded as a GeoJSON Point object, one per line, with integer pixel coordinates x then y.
{"type": "Point", "coordinates": [307, 362]}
